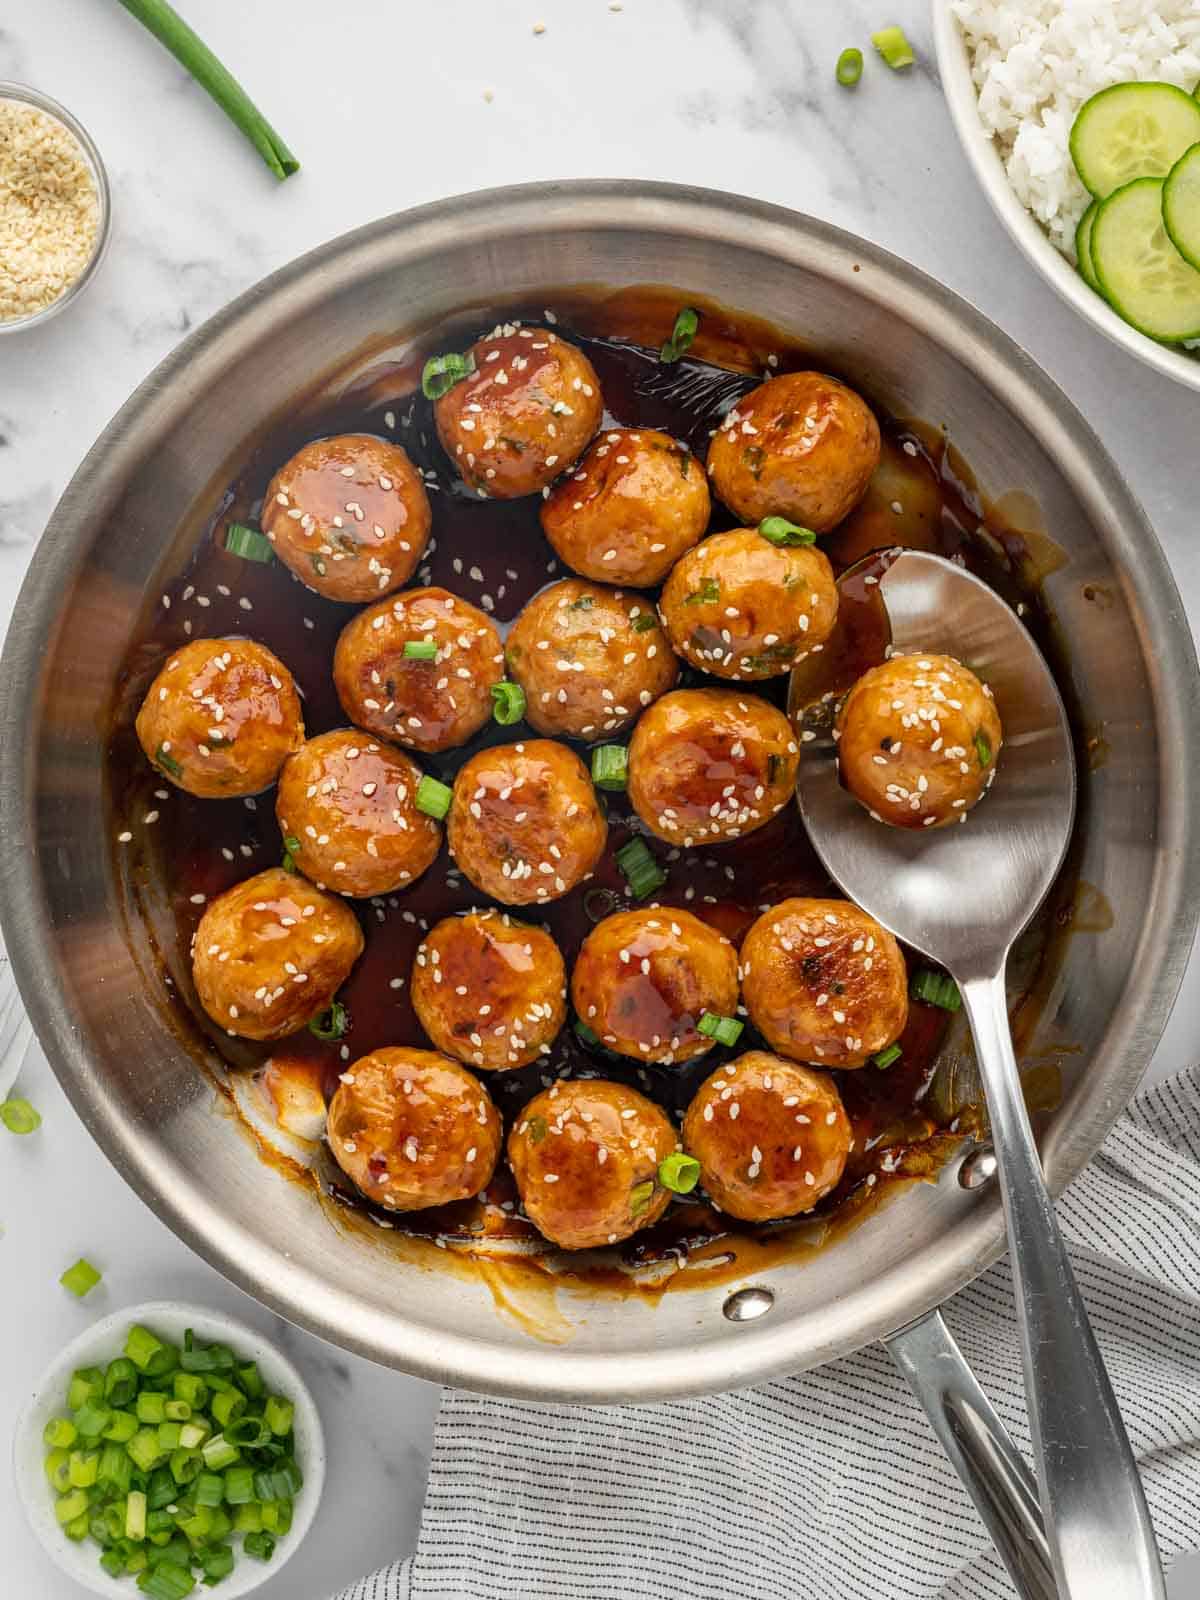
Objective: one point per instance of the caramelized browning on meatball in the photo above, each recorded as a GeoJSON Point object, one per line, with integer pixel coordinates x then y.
{"type": "Point", "coordinates": [524, 823]}
{"type": "Point", "coordinates": [823, 982]}
{"type": "Point", "coordinates": [918, 739]}
{"type": "Point", "coordinates": [643, 979]}
{"type": "Point", "coordinates": [427, 705]}
{"type": "Point", "coordinates": [635, 503]}
{"type": "Point", "coordinates": [221, 718]}
{"type": "Point", "coordinates": [413, 1129]}
{"type": "Point", "coordinates": [706, 765]}
{"type": "Point", "coordinates": [801, 446]}
{"type": "Point", "coordinates": [588, 659]}
{"type": "Point", "coordinates": [349, 515]}
{"type": "Point", "coordinates": [585, 1157]}
{"type": "Point", "coordinates": [740, 607]}
{"type": "Point", "coordinates": [271, 953]}
{"type": "Point", "coordinates": [771, 1137]}
{"type": "Point", "coordinates": [347, 810]}
{"type": "Point", "coordinates": [491, 991]}
{"type": "Point", "coordinates": [522, 415]}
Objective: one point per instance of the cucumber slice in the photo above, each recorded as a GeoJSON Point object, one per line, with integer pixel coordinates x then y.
{"type": "Point", "coordinates": [1181, 205]}
{"type": "Point", "coordinates": [1133, 130]}
{"type": "Point", "coordinates": [1142, 275]}
{"type": "Point", "coordinates": [1083, 246]}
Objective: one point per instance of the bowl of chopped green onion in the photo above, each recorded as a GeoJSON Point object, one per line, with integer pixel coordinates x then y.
{"type": "Point", "coordinates": [168, 1450]}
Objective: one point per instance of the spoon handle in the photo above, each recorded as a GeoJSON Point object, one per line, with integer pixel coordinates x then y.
{"type": "Point", "coordinates": [1097, 1521]}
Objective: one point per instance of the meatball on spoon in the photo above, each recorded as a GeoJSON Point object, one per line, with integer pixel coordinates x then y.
{"type": "Point", "coordinates": [961, 896]}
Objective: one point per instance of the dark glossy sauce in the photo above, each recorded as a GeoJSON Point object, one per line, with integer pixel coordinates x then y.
{"type": "Point", "coordinates": [494, 555]}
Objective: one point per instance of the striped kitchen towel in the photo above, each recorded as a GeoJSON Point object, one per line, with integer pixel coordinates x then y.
{"type": "Point", "coordinates": [828, 1486]}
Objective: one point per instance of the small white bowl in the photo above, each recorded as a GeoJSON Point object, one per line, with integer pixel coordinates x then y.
{"type": "Point", "coordinates": [98, 1345]}
{"type": "Point", "coordinates": [954, 66]}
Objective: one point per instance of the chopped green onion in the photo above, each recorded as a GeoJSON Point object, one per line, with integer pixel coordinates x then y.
{"type": "Point", "coordinates": [169, 1435]}
{"type": "Point", "coordinates": [725, 1030]}
{"type": "Point", "coordinates": [936, 989]}
{"type": "Point", "coordinates": [441, 373]}
{"type": "Point", "coordinates": [248, 1433]}
{"type": "Point", "coordinates": [249, 1380]}
{"type": "Point", "coordinates": [193, 1434]}
{"type": "Point", "coordinates": [640, 1196]}
{"type": "Point", "coordinates": [508, 702]}
{"type": "Point", "coordinates": [983, 749]}
{"type": "Point", "coordinates": [894, 47]}
{"type": "Point", "coordinates": [780, 531]}
{"type": "Point", "coordinates": [148, 1354]}
{"type": "Point", "coordinates": [135, 1515]}
{"type": "Point", "coordinates": [178, 1411]}
{"type": "Point", "coordinates": [72, 1505]}
{"type": "Point", "coordinates": [420, 650]}
{"type": "Point", "coordinates": [206, 1358]}
{"type": "Point", "coordinates": [216, 1562]}
{"type": "Point", "coordinates": [433, 798]}
{"type": "Point", "coordinates": [18, 1116]}
{"type": "Point", "coordinates": [583, 1033]}
{"type": "Point", "coordinates": [208, 1489]}
{"type": "Point", "coordinates": [151, 1408]}
{"type": "Point", "coordinates": [884, 1058]}
{"type": "Point", "coordinates": [166, 1580]}
{"type": "Point", "coordinates": [145, 1450]}
{"type": "Point", "coordinates": [80, 1279]}
{"type": "Point", "coordinates": [120, 1381]}
{"type": "Point", "coordinates": [682, 334]}
{"type": "Point", "coordinates": [248, 543]}
{"type": "Point", "coordinates": [91, 1420]}
{"type": "Point", "coordinates": [228, 1407]}
{"type": "Point", "coordinates": [218, 1453]}
{"type": "Point", "coordinates": [59, 1433]}
{"type": "Point", "coordinates": [849, 67]}
{"type": "Point", "coordinates": [599, 902]}
{"type": "Point", "coordinates": [121, 1428]}
{"type": "Point", "coordinates": [538, 1129]}
{"type": "Point", "coordinates": [331, 1024]}
{"type": "Point", "coordinates": [160, 1490]}
{"type": "Point", "coordinates": [679, 1173]}
{"type": "Point", "coordinates": [259, 1545]}
{"type": "Point", "coordinates": [83, 1468]}
{"type": "Point", "coordinates": [87, 1384]}
{"type": "Point", "coordinates": [610, 766]}
{"type": "Point", "coordinates": [239, 1485]}
{"type": "Point", "coordinates": [279, 1415]}
{"type": "Point", "coordinates": [291, 849]}
{"type": "Point", "coordinates": [116, 1469]}
{"type": "Point", "coordinates": [644, 621]}
{"type": "Point", "coordinates": [58, 1470]}
{"type": "Point", "coordinates": [584, 603]}
{"type": "Point", "coordinates": [164, 759]}
{"type": "Point", "coordinates": [707, 594]}
{"type": "Point", "coordinates": [642, 871]}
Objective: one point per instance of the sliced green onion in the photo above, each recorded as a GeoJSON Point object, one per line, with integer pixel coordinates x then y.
{"type": "Point", "coordinates": [441, 373]}
{"type": "Point", "coordinates": [936, 989]}
{"type": "Point", "coordinates": [640, 1196]}
{"type": "Point", "coordinates": [218, 1453]}
{"type": "Point", "coordinates": [248, 543]}
{"type": "Point", "coordinates": [58, 1470]}
{"type": "Point", "coordinates": [91, 1420]}
{"type": "Point", "coordinates": [248, 1433]}
{"type": "Point", "coordinates": [160, 1490]}
{"type": "Point", "coordinates": [725, 1030]}
{"type": "Point", "coordinates": [59, 1433]}
{"type": "Point", "coordinates": [642, 871]}
{"type": "Point", "coordinates": [508, 702]}
{"type": "Point", "coordinates": [120, 1381]}
{"type": "Point", "coordinates": [584, 603]}
{"type": "Point", "coordinates": [599, 902]}
{"type": "Point", "coordinates": [227, 1407]}
{"type": "Point", "coordinates": [644, 621]}
{"type": "Point", "coordinates": [679, 1173]}
{"type": "Point", "coordinates": [144, 1449]}
{"type": "Point", "coordinates": [249, 1380]}
{"type": "Point", "coordinates": [193, 1434]}
{"type": "Point", "coordinates": [83, 1468]}
{"type": "Point", "coordinates": [121, 1428]}
{"type": "Point", "coordinates": [420, 650]}
{"type": "Point", "coordinates": [208, 1489]}
{"type": "Point", "coordinates": [165, 1580]}
{"type": "Point", "coordinates": [884, 1058]}
{"type": "Point", "coordinates": [291, 849]}
{"type": "Point", "coordinates": [331, 1024]}
{"type": "Point", "coordinates": [18, 1116]}
{"type": "Point", "coordinates": [80, 1279]}
{"type": "Point", "coordinates": [983, 749]}
{"type": "Point", "coordinates": [164, 759]}
{"type": "Point", "coordinates": [135, 1515]}
{"type": "Point", "coordinates": [893, 46]}
{"type": "Point", "coordinates": [583, 1033]}
{"type": "Point", "coordinates": [279, 1415]}
{"type": "Point", "coordinates": [780, 531]}
{"type": "Point", "coordinates": [216, 1562]}
{"type": "Point", "coordinates": [239, 1485]}
{"type": "Point", "coordinates": [707, 594]}
{"type": "Point", "coordinates": [537, 1128]}
{"type": "Point", "coordinates": [72, 1505]}
{"type": "Point", "coordinates": [610, 766]}
{"type": "Point", "coordinates": [151, 1408]}
{"type": "Point", "coordinates": [205, 1358]}
{"type": "Point", "coordinates": [148, 1354]}
{"type": "Point", "coordinates": [87, 1385]}
{"type": "Point", "coordinates": [433, 798]}
{"type": "Point", "coordinates": [686, 322]}
{"type": "Point", "coordinates": [259, 1545]}
{"type": "Point", "coordinates": [178, 1411]}
{"type": "Point", "coordinates": [849, 67]}
{"type": "Point", "coordinates": [116, 1470]}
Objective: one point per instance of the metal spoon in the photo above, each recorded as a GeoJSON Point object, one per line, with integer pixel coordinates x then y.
{"type": "Point", "coordinates": [961, 895]}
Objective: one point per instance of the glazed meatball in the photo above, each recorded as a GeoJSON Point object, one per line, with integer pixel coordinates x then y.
{"type": "Point", "coordinates": [428, 705]}
{"type": "Point", "coordinates": [585, 1157]}
{"type": "Point", "coordinates": [588, 659]}
{"type": "Point", "coordinates": [524, 823]}
{"type": "Point", "coordinates": [801, 446]}
{"type": "Point", "coordinates": [349, 516]}
{"type": "Point", "coordinates": [643, 979]}
{"type": "Point", "coordinates": [411, 1128]}
{"type": "Point", "coordinates": [918, 739]}
{"type": "Point", "coordinates": [781, 1150]}
{"type": "Point", "coordinates": [348, 814]}
{"type": "Point", "coordinates": [524, 413]}
{"type": "Point", "coordinates": [271, 953]}
{"type": "Point", "coordinates": [740, 607]}
{"type": "Point", "coordinates": [707, 765]}
{"type": "Point", "coordinates": [823, 981]}
{"type": "Point", "coordinates": [221, 718]}
{"type": "Point", "coordinates": [635, 503]}
{"type": "Point", "coordinates": [491, 991]}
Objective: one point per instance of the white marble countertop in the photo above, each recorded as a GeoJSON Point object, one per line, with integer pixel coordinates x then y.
{"type": "Point", "coordinates": [385, 104]}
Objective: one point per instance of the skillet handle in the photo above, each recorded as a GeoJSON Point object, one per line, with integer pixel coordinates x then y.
{"type": "Point", "coordinates": [980, 1449]}
{"type": "Point", "coordinates": [16, 1032]}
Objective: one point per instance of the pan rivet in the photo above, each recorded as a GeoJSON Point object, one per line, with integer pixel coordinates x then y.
{"type": "Point", "coordinates": [978, 1168]}
{"type": "Point", "coordinates": [747, 1304]}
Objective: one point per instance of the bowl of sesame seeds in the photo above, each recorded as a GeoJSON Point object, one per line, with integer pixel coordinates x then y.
{"type": "Point", "coordinates": [55, 208]}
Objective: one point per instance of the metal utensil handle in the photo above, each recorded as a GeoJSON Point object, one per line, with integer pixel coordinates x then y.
{"type": "Point", "coordinates": [981, 1451]}
{"type": "Point", "coordinates": [15, 1030]}
{"type": "Point", "coordinates": [1101, 1539]}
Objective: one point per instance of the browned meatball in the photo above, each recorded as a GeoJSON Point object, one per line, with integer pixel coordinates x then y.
{"type": "Point", "coordinates": [221, 718]}
{"type": "Point", "coordinates": [588, 658]}
{"type": "Point", "coordinates": [740, 607]}
{"type": "Point", "coordinates": [522, 415]}
{"type": "Point", "coordinates": [412, 1129]}
{"type": "Point", "coordinates": [710, 764]}
{"type": "Point", "coordinates": [271, 953]}
{"type": "Point", "coordinates": [524, 823]}
{"type": "Point", "coordinates": [635, 503]}
{"type": "Point", "coordinates": [585, 1157]}
{"type": "Point", "coordinates": [427, 705]}
{"type": "Point", "coordinates": [918, 739]}
{"type": "Point", "coordinates": [349, 515]}
{"type": "Point", "coordinates": [347, 810]}
{"type": "Point", "coordinates": [491, 991]}
{"type": "Point", "coordinates": [643, 979]}
{"type": "Point", "coordinates": [801, 446]}
{"type": "Point", "coordinates": [823, 981]}
{"type": "Point", "coordinates": [771, 1137]}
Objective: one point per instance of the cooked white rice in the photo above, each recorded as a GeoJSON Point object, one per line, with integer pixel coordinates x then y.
{"type": "Point", "coordinates": [1036, 61]}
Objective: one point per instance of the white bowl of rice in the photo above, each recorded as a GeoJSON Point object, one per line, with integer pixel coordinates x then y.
{"type": "Point", "coordinates": [1015, 72]}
